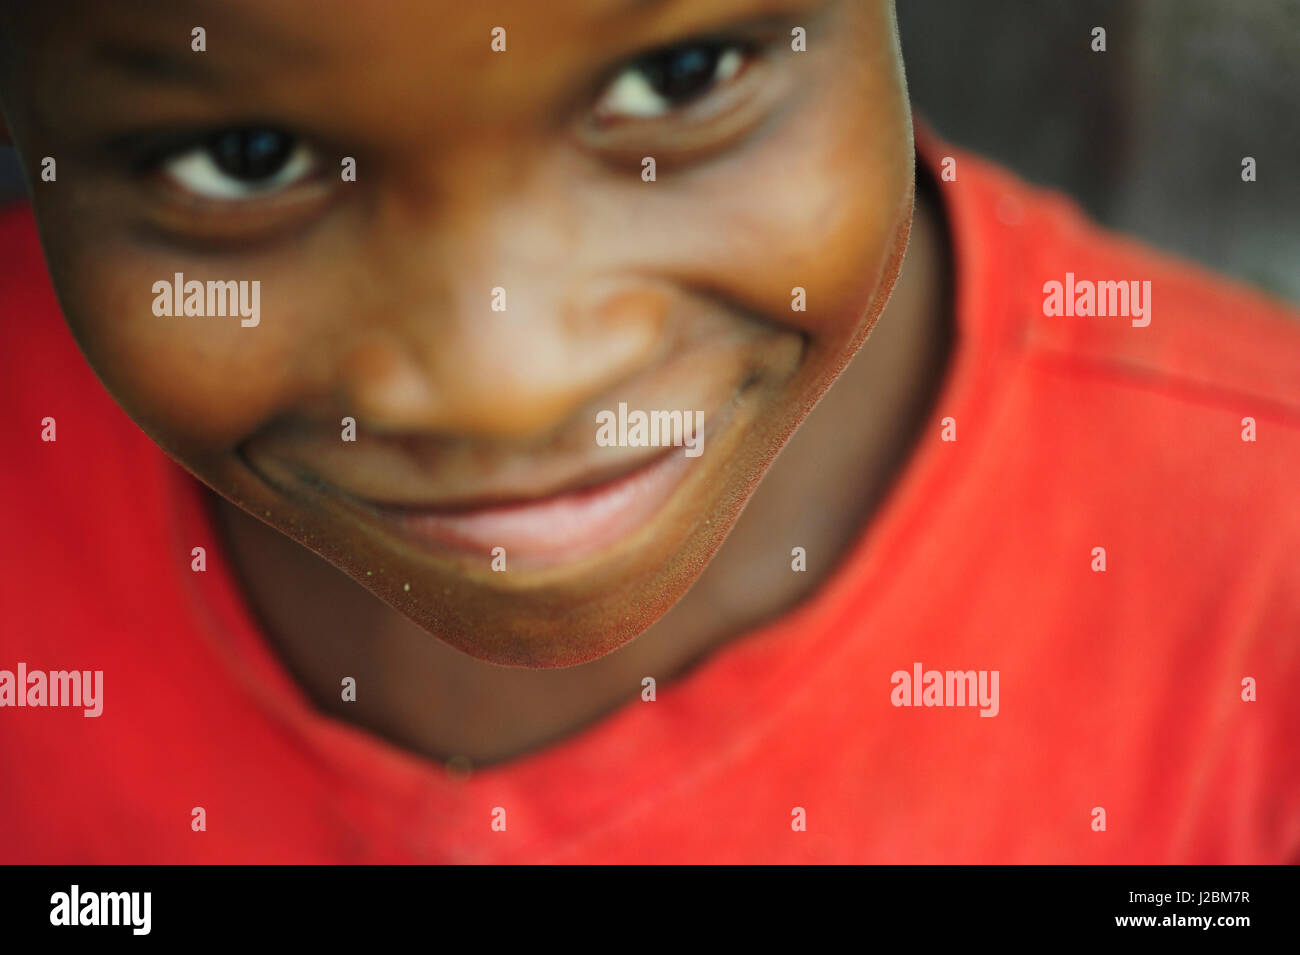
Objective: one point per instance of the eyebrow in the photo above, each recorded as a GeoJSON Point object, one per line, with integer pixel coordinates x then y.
{"type": "Point", "coordinates": [716, 12]}
{"type": "Point", "coordinates": [156, 65]}
{"type": "Point", "coordinates": [253, 43]}
{"type": "Point", "coordinates": [721, 9]}
{"type": "Point", "coordinates": [631, 6]}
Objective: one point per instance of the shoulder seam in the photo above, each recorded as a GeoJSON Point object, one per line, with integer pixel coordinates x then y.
{"type": "Point", "coordinates": [1173, 384]}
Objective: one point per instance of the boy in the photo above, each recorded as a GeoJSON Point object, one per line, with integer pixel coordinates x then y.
{"type": "Point", "coordinates": [503, 315]}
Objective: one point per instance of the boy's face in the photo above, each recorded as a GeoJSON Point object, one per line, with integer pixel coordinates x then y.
{"type": "Point", "coordinates": [476, 170]}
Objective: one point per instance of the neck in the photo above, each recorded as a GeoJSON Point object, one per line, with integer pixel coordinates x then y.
{"type": "Point", "coordinates": [425, 696]}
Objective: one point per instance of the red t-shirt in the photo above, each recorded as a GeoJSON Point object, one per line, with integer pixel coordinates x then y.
{"type": "Point", "coordinates": [1119, 690]}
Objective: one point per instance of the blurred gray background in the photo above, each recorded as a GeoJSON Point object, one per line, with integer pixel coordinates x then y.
{"type": "Point", "coordinates": [1149, 135]}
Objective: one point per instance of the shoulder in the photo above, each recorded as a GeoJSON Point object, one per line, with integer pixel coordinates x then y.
{"type": "Point", "coordinates": [1094, 298]}
{"type": "Point", "coordinates": [63, 433]}
{"type": "Point", "coordinates": [1172, 418]}
{"type": "Point", "coordinates": [39, 360]}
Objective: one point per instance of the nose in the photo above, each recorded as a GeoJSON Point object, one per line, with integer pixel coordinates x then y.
{"type": "Point", "coordinates": [456, 365]}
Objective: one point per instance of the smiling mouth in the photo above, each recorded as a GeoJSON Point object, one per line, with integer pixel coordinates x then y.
{"type": "Point", "coordinates": [544, 531]}
{"type": "Point", "coordinates": [547, 514]}
{"type": "Point", "coordinates": [581, 517]}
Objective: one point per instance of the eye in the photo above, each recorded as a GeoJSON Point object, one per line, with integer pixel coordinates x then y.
{"type": "Point", "coordinates": [241, 163]}
{"type": "Point", "coordinates": [669, 79]}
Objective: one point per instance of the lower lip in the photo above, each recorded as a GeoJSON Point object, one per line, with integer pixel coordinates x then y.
{"type": "Point", "coordinates": [556, 530]}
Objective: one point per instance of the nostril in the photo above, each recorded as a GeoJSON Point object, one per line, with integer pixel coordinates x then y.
{"type": "Point", "coordinates": [625, 326]}
{"type": "Point", "coordinates": [384, 387]}
{"type": "Point", "coordinates": [519, 375]}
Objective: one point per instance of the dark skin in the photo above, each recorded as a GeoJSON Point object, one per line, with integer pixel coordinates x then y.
{"type": "Point", "coordinates": [442, 703]}
{"type": "Point", "coordinates": [671, 294]}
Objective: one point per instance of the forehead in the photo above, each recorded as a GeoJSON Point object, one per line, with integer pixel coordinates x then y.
{"type": "Point", "coordinates": [351, 53]}
{"type": "Point", "coordinates": [322, 27]}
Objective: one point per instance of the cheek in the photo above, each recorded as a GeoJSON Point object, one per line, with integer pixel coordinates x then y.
{"type": "Point", "coordinates": [196, 384]}
{"type": "Point", "coordinates": [836, 237]}
{"type": "Point", "coordinates": [820, 203]}
{"type": "Point", "coordinates": [834, 217]}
